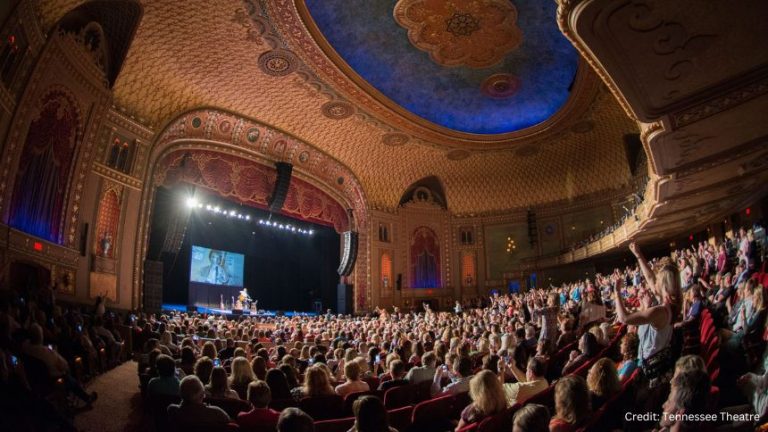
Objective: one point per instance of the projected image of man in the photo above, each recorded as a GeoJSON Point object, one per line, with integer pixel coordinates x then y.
{"type": "Point", "coordinates": [216, 272]}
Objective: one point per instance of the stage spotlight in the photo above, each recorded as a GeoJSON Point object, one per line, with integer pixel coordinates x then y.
{"type": "Point", "coordinates": [311, 232]}
{"type": "Point", "coordinates": [199, 205]}
{"type": "Point", "coordinates": [208, 207]}
{"type": "Point", "coordinates": [191, 202]}
{"type": "Point", "coordinates": [216, 209]}
{"type": "Point", "coordinates": [247, 217]}
{"type": "Point", "coordinates": [293, 229]}
{"type": "Point", "coordinates": [261, 221]}
{"type": "Point", "coordinates": [232, 212]}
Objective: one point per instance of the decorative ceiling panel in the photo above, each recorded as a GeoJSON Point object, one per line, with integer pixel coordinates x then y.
{"type": "Point", "coordinates": [188, 54]}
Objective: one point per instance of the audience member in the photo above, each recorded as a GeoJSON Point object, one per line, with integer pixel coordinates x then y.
{"type": "Point", "coordinates": [572, 404]}
{"type": "Point", "coordinates": [370, 416]}
{"type": "Point", "coordinates": [487, 398]}
{"type": "Point", "coordinates": [260, 417]}
{"type": "Point", "coordinates": [192, 412]}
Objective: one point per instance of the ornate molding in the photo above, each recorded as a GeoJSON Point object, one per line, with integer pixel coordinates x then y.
{"type": "Point", "coordinates": [117, 176]}
{"type": "Point", "coordinates": [719, 104]}
{"type": "Point", "coordinates": [48, 252]}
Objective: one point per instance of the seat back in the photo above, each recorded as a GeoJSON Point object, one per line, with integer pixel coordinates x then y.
{"type": "Point", "coordinates": [336, 425]}
{"type": "Point", "coordinates": [433, 414]}
{"type": "Point", "coordinates": [499, 422]}
{"type": "Point", "coordinates": [323, 407]}
{"type": "Point", "coordinates": [232, 407]}
{"type": "Point", "coordinates": [158, 408]}
{"type": "Point", "coordinates": [422, 391]}
{"type": "Point", "coordinates": [400, 418]}
{"type": "Point", "coordinates": [459, 402]}
{"type": "Point", "coordinates": [352, 397]}
{"type": "Point", "coordinates": [545, 397]}
{"type": "Point", "coordinates": [281, 404]}
{"type": "Point", "coordinates": [400, 396]}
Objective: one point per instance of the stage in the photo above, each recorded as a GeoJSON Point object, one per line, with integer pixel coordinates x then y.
{"type": "Point", "coordinates": [262, 313]}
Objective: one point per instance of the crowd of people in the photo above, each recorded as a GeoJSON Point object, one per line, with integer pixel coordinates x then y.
{"type": "Point", "coordinates": [502, 353]}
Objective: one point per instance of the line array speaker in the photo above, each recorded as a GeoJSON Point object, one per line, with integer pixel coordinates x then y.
{"type": "Point", "coordinates": [349, 254]}
{"type": "Point", "coordinates": [344, 298]}
{"type": "Point", "coordinates": [284, 170]}
{"type": "Point", "coordinates": [533, 231]}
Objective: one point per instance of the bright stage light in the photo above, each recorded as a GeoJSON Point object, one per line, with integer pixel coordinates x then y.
{"type": "Point", "coordinates": [247, 217]}
{"type": "Point", "coordinates": [191, 202]}
{"type": "Point", "coordinates": [208, 207]}
{"type": "Point", "coordinates": [232, 212]}
{"type": "Point", "coordinates": [311, 232]}
{"type": "Point", "coordinates": [216, 209]}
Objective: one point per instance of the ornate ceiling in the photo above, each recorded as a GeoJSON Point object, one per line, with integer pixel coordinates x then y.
{"type": "Point", "coordinates": [261, 61]}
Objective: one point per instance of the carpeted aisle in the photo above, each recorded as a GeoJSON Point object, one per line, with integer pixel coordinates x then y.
{"type": "Point", "coordinates": [118, 408]}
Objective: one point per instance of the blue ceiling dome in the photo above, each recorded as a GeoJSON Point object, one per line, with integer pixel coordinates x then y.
{"type": "Point", "coordinates": [524, 86]}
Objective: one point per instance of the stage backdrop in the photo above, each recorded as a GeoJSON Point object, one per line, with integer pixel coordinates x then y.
{"type": "Point", "coordinates": [284, 271]}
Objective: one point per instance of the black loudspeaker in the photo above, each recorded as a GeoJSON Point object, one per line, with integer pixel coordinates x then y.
{"type": "Point", "coordinates": [533, 231]}
{"type": "Point", "coordinates": [284, 170]}
{"type": "Point", "coordinates": [153, 286]}
{"type": "Point", "coordinates": [633, 146]}
{"type": "Point", "coordinates": [344, 298]}
{"type": "Point", "coordinates": [84, 239]}
{"type": "Point", "coordinates": [349, 254]}
{"type": "Point", "coordinates": [399, 283]}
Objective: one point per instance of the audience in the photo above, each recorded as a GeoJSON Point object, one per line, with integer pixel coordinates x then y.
{"type": "Point", "coordinates": [603, 382]}
{"type": "Point", "coordinates": [192, 412]}
{"type": "Point", "coordinates": [628, 351]}
{"type": "Point", "coordinates": [260, 417]}
{"type": "Point", "coordinates": [689, 394]}
{"type": "Point", "coordinates": [166, 383]}
{"type": "Point", "coordinates": [316, 383]}
{"type": "Point", "coordinates": [242, 375]}
{"type": "Point", "coordinates": [425, 372]}
{"type": "Point", "coordinates": [572, 404]}
{"type": "Point", "coordinates": [353, 383]}
{"type": "Point", "coordinates": [487, 398]}
{"type": "Point", "coordinates": [531, 418]}
{"type": "Point", "coordinates": [295, 420]}
{"type": "Point", "coordinates": [218, 386]}
{"type": "Point", "coordinates": [528, 384]}
{"type": "Point", "coordinates": [397, 374]}
{"type": "Point", "coordinates": [459, 378]}
{"type": "Point", "coordinates": [370, 416]}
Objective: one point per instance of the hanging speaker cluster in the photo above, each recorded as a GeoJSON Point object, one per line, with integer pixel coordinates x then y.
{"type": "Point", "coordinates": [284, 170]}
{"type": "Point", "coordinates": [349, 254]}
{"type": "Point", "coordinates": [533, 231]}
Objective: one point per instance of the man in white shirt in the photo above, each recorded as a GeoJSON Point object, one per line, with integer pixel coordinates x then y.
{"type": "Point", "coordinates": [529, 383]}
{"type": "Point", "coordinates": [425, 372]}
{"type": "Point", "coordinates": [353, 383]}
{"type": "Point", "coordinates": [462, 373]}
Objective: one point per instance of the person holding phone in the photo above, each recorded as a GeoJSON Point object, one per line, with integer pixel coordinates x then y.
{"type": "Point", "coordinates": [529, 383]}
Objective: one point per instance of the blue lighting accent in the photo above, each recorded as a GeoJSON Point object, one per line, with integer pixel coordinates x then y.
{"type": "Point", "coordinates": [366, 36]}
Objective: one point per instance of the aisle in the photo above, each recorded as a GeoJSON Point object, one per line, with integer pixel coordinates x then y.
{"type": "Point", "coordinates": [118, 408]}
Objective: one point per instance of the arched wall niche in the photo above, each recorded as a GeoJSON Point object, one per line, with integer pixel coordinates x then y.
{"type": "Point", "coordinates": [215, 131]}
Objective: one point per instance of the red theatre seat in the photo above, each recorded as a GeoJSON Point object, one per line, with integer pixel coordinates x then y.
{"type": "Point", "coordinates": [397, 397]}
{"type": "Point", "coordinates": [323, 407]}
{"type": "Point", "coordinates": [337, 425]}
{"type": "Point", "coordinates": [433, 414]}
{"type": "Point", "coordinates": [400, 418]}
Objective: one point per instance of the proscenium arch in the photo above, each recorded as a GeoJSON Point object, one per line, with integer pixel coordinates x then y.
{"type": "Point", "coordinates": [217, 130]}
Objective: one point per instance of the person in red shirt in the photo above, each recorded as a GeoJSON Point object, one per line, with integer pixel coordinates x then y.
{"type": "Point", "coordinates": [260, 417]}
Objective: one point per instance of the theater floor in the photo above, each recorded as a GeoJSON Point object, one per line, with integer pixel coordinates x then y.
{"type": "Point", "coordinates": [118, 408]}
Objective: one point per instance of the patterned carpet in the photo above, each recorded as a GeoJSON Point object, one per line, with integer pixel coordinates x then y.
{"type": "Point", "coordinates": [119, 407]}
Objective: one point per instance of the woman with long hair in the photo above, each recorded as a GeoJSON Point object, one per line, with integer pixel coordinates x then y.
{"type": "Point", "coordinates": [628, 351]}
{"type": "Point", "coordinates": [218, 387]}
{"type": "Point", "coordinates": [317, 382]}
{"type": "Point", "coordinates": [278, 384]}
{"type": "Point", "coordinates": [259, 366]}
{"type": "Point", "coordinates": [241, 376]}
{"type": "Point", "coordinates": [370, 416]}
{"type": "Point", "coordinates": [603, 381]}
{"type": "Point", "coordinates": [572, 404]}
{"type": "Point", "coordinates": [655, 322]}
{"type": "Point", "coordinates": [488, 398]}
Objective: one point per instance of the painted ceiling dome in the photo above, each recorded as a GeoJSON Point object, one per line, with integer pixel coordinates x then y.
{"type": "Point", "coordinates": [480, 67]}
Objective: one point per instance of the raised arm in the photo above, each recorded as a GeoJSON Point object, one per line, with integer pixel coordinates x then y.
{"type": "Point", "coordinates": [653, 316]}
{"type": "Point", "coordinates": [650, 277]}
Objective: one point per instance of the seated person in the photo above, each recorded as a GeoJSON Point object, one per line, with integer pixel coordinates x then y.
{"type": "Point", "coordinates": [572, 404]}
{"type": "Point", "coordinates": [260, 417]}
{"type": "Point", "coordinates": [295, 420]}
{"type": "Point", "coordinates": [370, 416]}
{"type": "Point", "coordinates": [628, 350]}
{"type": "Point", "coordinates": [603, 382]}
{"type": "Point", "coordinates": [353, 383]}
{"type": "Point", "coordinates": [689, 394]}
{"type": "Point", "coordinates": [487, 396]}
{"type": "Point", "coordinates": [316, 383]}
{"type": "Point", "coordinates": [460, 376]}
{"type": "Point", "coordinates": [530, 382]}
{"type": "Point", "coordinates": [192, 412]}
{"type": "Point", "coordinates": [218, 387]}
{"type": "Point", "coordinates": [588, 348]}
{"type": "Point", "coordinates": [425, 372]}
{"type": "Point", "coordinates": [166, 383]}
{"type": "Point", "coordinates": [56, 364]}
{"type": "Point", "coordinates": [397, 372]}
{"type": "Point", "coordinates": [531, 418]}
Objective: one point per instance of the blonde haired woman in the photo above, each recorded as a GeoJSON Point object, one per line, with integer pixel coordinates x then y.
{"type": "Point", "coordinates": [316, 383]}
{"type": "Point", "coordinates": [603, 382]}
{"type": "Point", "coordinates": [488, 398]}
{"type": "Point", "coordinates": [242, 375]}
{"type": "Point", "coordinates": [655, 323]}
{"type": "Point", "coordinates": [572, 404]}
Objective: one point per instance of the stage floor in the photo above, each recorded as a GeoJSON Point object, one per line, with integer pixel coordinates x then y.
{"type": "Point", "coordinates": [228, 312]}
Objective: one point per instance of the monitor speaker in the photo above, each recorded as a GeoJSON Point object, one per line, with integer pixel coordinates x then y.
{"type": "Point", "coordinates": [153, 286]}
{"type": "Point", "coordinates": [344, 299]}
{"type": "Point", "coordinates": [284, 170]}
{"type": "Point", "coordinates": [349, 253]}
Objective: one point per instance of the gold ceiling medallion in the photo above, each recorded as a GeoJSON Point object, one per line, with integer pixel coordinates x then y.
{"type": "Point", "coordinates": [477, 33]}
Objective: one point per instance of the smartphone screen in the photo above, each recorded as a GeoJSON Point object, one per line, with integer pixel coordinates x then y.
{"type": "Point", "coordinates": [217, 362]}
{"type": "Point", "coordinates": [14, 360]}
{"type": "Point", "coordinates": [50, 347]}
